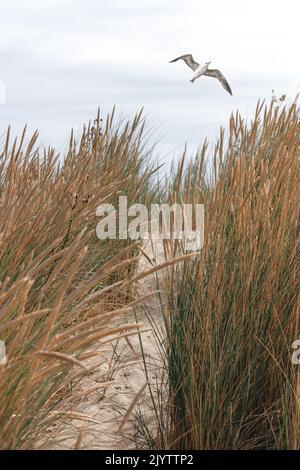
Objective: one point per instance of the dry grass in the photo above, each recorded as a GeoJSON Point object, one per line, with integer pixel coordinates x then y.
{"type": "Point", "coordinates": [61, 288]}
{"type": "Point", "coordinates": [233, 310]}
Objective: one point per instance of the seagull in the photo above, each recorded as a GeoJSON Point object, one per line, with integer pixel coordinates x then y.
{"type": "Point", "coordinates": [203, 70]}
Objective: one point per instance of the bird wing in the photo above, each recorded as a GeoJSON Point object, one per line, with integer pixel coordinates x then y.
{"type": "Point", "coordinates": [219, 76]}
{"type": "Point", "coordinates": [188, 59]}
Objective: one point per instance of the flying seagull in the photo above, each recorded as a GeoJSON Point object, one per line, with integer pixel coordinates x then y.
{"type": "Point", "coordinates": [203, 70]}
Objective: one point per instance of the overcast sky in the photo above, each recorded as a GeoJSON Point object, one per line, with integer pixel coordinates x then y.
{"type": "Point", "coordinates": [61, 59]}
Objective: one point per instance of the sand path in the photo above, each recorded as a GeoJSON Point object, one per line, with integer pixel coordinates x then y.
{"type": "Point", "coordinates": [100, 413]}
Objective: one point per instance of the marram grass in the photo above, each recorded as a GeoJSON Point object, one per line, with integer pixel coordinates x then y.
{"type": "Point", "coordinates": [232, 311]}
{"type": "Point", "coordinates": [61, 288]}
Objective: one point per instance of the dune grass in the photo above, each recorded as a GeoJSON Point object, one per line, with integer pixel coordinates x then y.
{"type": "Point", "coordinates": [61, 288]}
{"type": "Point", "coordinates": [233, 310]}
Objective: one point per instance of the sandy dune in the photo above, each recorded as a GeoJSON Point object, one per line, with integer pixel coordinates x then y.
{"type": "Point", "coordinates": [100, 413]}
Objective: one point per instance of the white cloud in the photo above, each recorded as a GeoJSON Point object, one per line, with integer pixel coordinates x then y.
{"type": "Point", "coordinates": [62, 61]}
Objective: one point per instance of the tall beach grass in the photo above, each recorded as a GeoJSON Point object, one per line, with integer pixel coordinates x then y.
{"type": "Point", "coordinates": [232, 311]}
{"type": "Point", "coordinates": [61, 288]}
